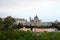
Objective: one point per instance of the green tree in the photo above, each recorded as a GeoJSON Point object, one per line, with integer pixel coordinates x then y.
{"type": "Point", "coordinates": [8, 22]}
{"type": "Point", "coordinates": [1, 23]}
{"type": "Point", "coordinates": [20, 26]}
{"type": "Point", "coordinates": [31, 27]}
{"type": "Point", "coordinates": [14, 27]}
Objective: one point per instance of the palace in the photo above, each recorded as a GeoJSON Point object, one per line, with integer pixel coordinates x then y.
{"type": "Point", "coordinates": [33, 22]}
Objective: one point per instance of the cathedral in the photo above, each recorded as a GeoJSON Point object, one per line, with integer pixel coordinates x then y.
{"type": "Point", "coordinates": [34, 22]}
{"type": "Point", "coordinates": [37, 22]}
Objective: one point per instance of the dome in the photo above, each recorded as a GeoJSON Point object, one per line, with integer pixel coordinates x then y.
{"type": "Point", "coordinates": [36, 16]}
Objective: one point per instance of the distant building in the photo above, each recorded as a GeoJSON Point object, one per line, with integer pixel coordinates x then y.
{"type": "Point", "coordinates": [34, 22]}
{"type": "Point", "coordinates": [22, 21]}
{"type": "Point", "coordinates": [25, 29]}
{"type": "Point", "coordinates": [37, 22]}
{"type": "Point", "coordinates": [44, 29]}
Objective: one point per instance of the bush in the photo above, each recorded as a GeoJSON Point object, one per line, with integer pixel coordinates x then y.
{"type": "Point", "coordinates": [23, 35]}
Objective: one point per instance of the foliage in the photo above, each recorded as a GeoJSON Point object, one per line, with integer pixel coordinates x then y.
{"type": "Point", "coordinates": [54, 25]}
{"type": "Point", "coordinates": [8, 22]}
{"type": "Point", "coordinates": [1, 23]}
{"type": "Point", "coordinates": [20, 26]}
{"type": "Point", "coordinates": [23, 35]}
{"type": "Point", "coordinates": [14, 27]}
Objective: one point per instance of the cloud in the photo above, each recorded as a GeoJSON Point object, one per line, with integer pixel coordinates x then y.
{"type": "Point", "coordinates": [30, 7]}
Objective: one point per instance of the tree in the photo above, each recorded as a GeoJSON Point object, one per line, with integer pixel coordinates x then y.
{"type": "Point", "coordinates": [31, 27]}
{"type": "Point", "coordinates": [1, 23]}
{"type": "Point", "coordinates": [8, 21]}
{"type": "Point", "coordinates": [20, 25]}
{"type": "Point", "coordinates": [54, 25]}
{"type": "Point", "coordinates": [14, 27]}
{"type": "Point", "coordinates": [42, 26]}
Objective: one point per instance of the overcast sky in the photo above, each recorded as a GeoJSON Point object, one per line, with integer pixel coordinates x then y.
{"type": "Point", "coordinates": [47, 10]}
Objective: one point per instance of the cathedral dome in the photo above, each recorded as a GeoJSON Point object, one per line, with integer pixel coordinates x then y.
{"type": "Point", "coordinates": [36, 16]}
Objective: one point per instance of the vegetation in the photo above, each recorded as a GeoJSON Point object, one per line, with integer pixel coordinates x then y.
{"type": "Point", "coordinates": [8, 22]}
{"type": "Point", "coordinates": [56, 25]}
{"type": "Point", "coordinates": [1, 23]}
{"type": "Point", "coordinates": [7, 32]}
{"type": "Point", "coordinates": [22, 35]}
{"type": "Point", "coordinates": [20, 26]}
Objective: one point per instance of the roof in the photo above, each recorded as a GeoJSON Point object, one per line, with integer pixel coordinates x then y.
{"type": "Point", "coordinates": [36, 16]}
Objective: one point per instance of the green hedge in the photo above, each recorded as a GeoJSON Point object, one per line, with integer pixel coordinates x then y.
{"type": "Point", "coordinates": [22, 35]}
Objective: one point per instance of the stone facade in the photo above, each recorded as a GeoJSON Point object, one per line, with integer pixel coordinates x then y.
{"type": "Point", "coordinates": [37, 22]}
{"type": "Point", "coordinates": [18, 20]}
{"type": "Point", "coordinates": [33, 22]}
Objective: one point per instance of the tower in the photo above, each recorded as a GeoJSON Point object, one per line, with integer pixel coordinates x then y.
{"type": "Point", "coordinates": [36, 17]}
{"type": "Point", "coordinates": [30, 19]}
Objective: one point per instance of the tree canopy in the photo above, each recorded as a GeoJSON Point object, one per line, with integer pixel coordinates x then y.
{"type": "Point", "coordinates": [8, 22]}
